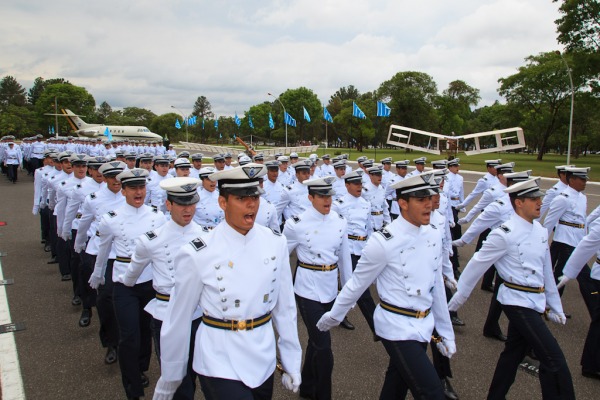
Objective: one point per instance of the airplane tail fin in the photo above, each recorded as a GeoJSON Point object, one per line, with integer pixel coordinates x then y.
{"type": "Point", "coordinates": [75, 122]}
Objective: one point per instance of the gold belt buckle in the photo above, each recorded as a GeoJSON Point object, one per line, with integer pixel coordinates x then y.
{"type": "Point", "coordinates": [241, 325]}
{"type": "Point", "coordinates": [421, 314]}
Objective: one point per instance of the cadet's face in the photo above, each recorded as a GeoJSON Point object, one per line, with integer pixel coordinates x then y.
{"type": "Point", "coordinates": [228, 161]}
{"type": "Point", "coordinates": [67, 167]}
{"type": "Point", "coordinates": [162, 169]}
{"type": "Point", "coordinates": [375, 179]}
{"type": "Point", "coordinates": [501, 179]}
{"type": "Point", "coordinates": [57, 165]}
{"type": "Point", "coordinates": [147, 165]}
{"type": "Point", "coordinates": [321, 203]}
{"type": "Point", "coordinates": [401, 171]}
{"type": "Point", "coordinates": [219, 164]}
{"type": "Point", "coordinates": [96, 175]}
{"type": "Point", "coordinates": [181, 214]}
{"type": "Point", "coordinates": [283, 166]}
{"type": "Point", "coordinates": [417, 210]}
{"type": "Point", "coordinates": [354, 188]}
{"type": "Point", "coordinates": [435, 201]}
{"type": "Point", "coordinates": [387, 167]}
{"type": "Point", "coordinates": [339, 172]}
{"type": "Point", "coordinates": [420, 167]}
{"type": "Point", "coordinates": [272, 174]}
{"type": "Point", "coordinates": [302, 175]}
{"type": "Point", "coordinates": [209, 185]}
{"type": "Point", "coordinates": [79, 171]}
{"type": "Point", "coordinates": [134, 195]}
{"type": "Point", "coordinates": [240, 212]}
{"type": "Point", "coordinates": [182, 172]}
{"type": "Point", "coordinates": [528, 208]}
{"type": "Point", "coordinates": [454, 169]}
{"type": "Point", "coordinates": [130, 163]}
{"type": "Point", "coordinates": [493, 171]}
{"type": "Point", "coordinates": [577, 183]}
{"type": "Point", "coordinates": [112, 183]}
{"type": "Point", "coordinates": [197, 164]}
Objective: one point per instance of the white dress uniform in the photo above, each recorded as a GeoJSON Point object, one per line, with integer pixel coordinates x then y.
{"type": "Point", "coordinates": [483, 183]}
{"type": "Point", "coordinates": [567, 217]}
{"type": "Point", "coordinates": [357, 213]}
{"type": "Point", "coordinates": [75, 201]}
{"type": "Point", "coordinates": [325, 170]}
{"type": "Point", "coordinates": [294, 200]}
{"type": "Point", "coordinates": [208, 212]}
{"type": "Point", "coordinates": [441, 223]}
{"type": "Point", "coordinates": [380, 214]}
{"type": "Point", "coordinates": [60, 210]}
{"type": "Point", "coordinates": [496, 213]}
{"type": "Point", "coordinates": [273, 193]}
{"type": "Point", "coordinates": [267, 215]}
{"type": "Point", "coordinates": [454, 189]}
{"type": "Point", "coordinates": [232, 277]}
{"type": "Point", "coordinates": [286, 178]}
{"type": "Point", "coordinates": [551, 193]}
{"type": "Point", "coordinates": [339, 187]}
{"type": "Point", "coordinates": [156, 195]}
{"type": "Point", "coordinates": [39, 176]}
{"type": "Point", "coordinates": [491, 194]}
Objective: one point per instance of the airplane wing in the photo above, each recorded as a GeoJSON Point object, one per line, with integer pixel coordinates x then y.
{"type": "Point", "coordinates": [501, 140]}
{"type": "Point", "coordinates": [414, 139]}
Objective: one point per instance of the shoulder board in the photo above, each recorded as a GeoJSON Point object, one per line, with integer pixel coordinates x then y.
{"type": "Point", "coordinates": [154, 209]}
{"type": "Point", "coordinates": [275, 232]}
{"type": "Point", "coordinates": [112, 214]}
{"type": "Point", "coordinates": [93, 195]}
{"type": "Point", "coordinates": [564, 194]}
{"type": "Point", "coordinates": [78, 215]}
{"type": "Point", "coordinates": [296, 219]}
{"type": "Point", "coordinates": [504, 228]}
{"type": "Point", "coordinates": [500, 202]}
{"type": "Point", "coordinates": [78, 186]}
{"type": "Point", "coordinates": [386, 235]}
{"type": "Point", "coordinates": [151, 235]}
{"type": "Point", "coordinates": [205, 229]}
{"type": "Point", "coordinates": [433, 226]}
{"type": "Point", "coordinates": [341, 216]}
{"type": "Point", "coordinates": [198, 244]}
{"type": "Point", "coordinates": [98, 233]}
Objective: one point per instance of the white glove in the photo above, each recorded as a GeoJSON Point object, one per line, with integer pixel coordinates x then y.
{"type": "Point", "coordinates": [79, 249]}
{"type": "Point", "coordinates": [127, 280]}
{"type": "Point", "coordinates": [463, 210]}
{"type": "Point", "coordinates": [562, 281]}
{"type": "Point", "coordinates": [447, 348]}
{"type": "Point", "coordinates": [460, 208]}
{"type": "Point", "coordinates": [557, 318]}
{"type": "Point", "coordinates": [450, 282]}
{"type": "Point", "coordinates": [291, 381]}
{"type": "Point", "coordinates": [36, 210]}
{"type": "Point", "coordinates": [165, 389]}
{"type": "Point", "coordinates": [96, 279]}
{"type": "Point", "coordinates": [456, 302]}
{"type": "Point", "coordinates": [43, 205]}
{"type": "Point", "coordinates": [462, 221]}
{"type": "Point", "coordinates": [458, 243]}
{"type": "Point", "coordinates": [326, 322]}
{"type": "Point", "coordinates": [452, 224]}
{"type": "Point", "coordinates": [66, 236]}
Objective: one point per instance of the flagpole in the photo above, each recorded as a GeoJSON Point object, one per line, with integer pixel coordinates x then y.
{"type": "Point", "coordinates": [284, 112]}
{"type": "Point", "coordinates": [184, 121]}
{"type": "Point", "coordinates": [56, 116]}
{"type": "Point", "coordinates": [326, 141]}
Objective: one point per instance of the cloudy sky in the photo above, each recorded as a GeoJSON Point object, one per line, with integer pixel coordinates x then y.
{"type": "Point", "coordinates": [157, 53]}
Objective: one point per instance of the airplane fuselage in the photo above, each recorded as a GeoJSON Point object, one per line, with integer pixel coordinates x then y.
{"type": "Point", "coordinates": [119, 132]}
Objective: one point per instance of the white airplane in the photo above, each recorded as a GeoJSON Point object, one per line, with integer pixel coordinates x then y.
{"type": "Point", "coordinates": [118, 132]}
{"type": "Point", "coordinates": [415, 139]}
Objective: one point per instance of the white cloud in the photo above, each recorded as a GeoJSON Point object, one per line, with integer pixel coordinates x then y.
{"type": "Point", "coordinates": [154, 54]}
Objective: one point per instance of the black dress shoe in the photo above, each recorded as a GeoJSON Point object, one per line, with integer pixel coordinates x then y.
{"type": "Point", "coordinates": [347, 325]}
{"type": "Point", "coordinates": [86, 318]}
{"type": "Point", "coordinates": [53, 260]}
{"type": "Point", "coordinates": [66, 277]}
{"type": "Point", "coordinates": [76, 301]}
{"type": "Point", "coordinates": [498, 336]}
{"type": "Point", "coordinates": [145, 380]}
{"type": "Point", "coordinates": [449, 390]}
{"type": "Point", "coordinates": [568, 316]}
{"type": "Point", "coordinates": [590, 374]}
{"type": "Point", "coordinates": [47, 248]}
{"type": "Point", "coordinates": [487, 288]}
{"type": "Point", "coordinates": [43, 241]}
{"type": "Point", "coordinates": [457, 321]}
{"type": "Point", "coordinates": [111, 355]}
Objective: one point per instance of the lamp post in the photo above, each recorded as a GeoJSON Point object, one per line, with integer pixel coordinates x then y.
{"type": "Point", "coordinates": [572, 105]}
{"type": "Point", "coordinates": [184, 121]}
{"type": "Point", "coordinates": [284, 112]}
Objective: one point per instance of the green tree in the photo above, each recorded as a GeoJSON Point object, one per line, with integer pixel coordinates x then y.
{"type": "Point", "coordinates": [17, 120]}
{"type": "Point", "coordinates": [202, 108]}
{"type": "Point", "coordinates": [38, 88]}
{"type": "Point", "coordinates": [165, 125]}
{"type": "Point", "coordinates": [11, 93]}
{"type": "Point", "coordinates": [454, 107]}
{"type": "Point", "coordinates": [75, 98]}
{"type": "Point", "coordinates": [260, 120]}
{"type": "Point", "coordinates": [103, 112]}
{"type": "Point", "coordinates": [137, 116]}
{"type": "Point", "coordinates": [294, 101]}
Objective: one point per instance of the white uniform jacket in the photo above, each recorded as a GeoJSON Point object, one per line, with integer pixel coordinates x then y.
{"type": "Point", "coordinates": [567, 217]}
{"type": "Point", "coordinates": [357, 212]}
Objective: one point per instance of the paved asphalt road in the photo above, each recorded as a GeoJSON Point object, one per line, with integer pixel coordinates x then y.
{"type": "Point", "coordinates": [60, 360]}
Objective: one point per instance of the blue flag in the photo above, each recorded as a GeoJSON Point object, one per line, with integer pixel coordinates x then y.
{"type": "Point", "coordinates": [220, 136]}
{"type": "Point", "coordinates": [288, 119]}
{"type": "Point", "coordinates": [216, 124]}
{"type": "Point", "coordinates": [108, 134]}
{"type": "Point", "coordinates": [357, 112]}
{"type": "Point", "coordinates": [52, 130]}
{"type": "Point", "coordinates": [271, 123]}
{"type": "Point", "coordinates": [327, 116]}
{"type": "Point", "coordinates": [202, 123]}
{"type": "Point", "coordinates": [383, 110]}
{"type": "Point", "coordinates": [177, 124]}
{"type": "Point", "coordinates": [250, 121]}
{"type": "Point", "coordinates": [237, 120]}
{"type": "Point", "coordinates": [306, 116]}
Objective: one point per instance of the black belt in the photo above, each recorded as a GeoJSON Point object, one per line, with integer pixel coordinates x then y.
{"type": "Point", "coordinates": [162, 297]}
{"type": "Point", "coordinates": [376, 212]}
{"type": "Point", "coordinates": [407, 312]}
{"type": "Point", "coordinates": [315, 267]}
{"type": "Point", "coordinates": [125, 260]}
{"type": "Point", "coordinates": [527, 289]}
{"type": "Point", "coordinates": [572, 224]}
{"type": "Point", "coordinates": [236, 325]}
{"type": "Point", "coordinates": [358, 238]}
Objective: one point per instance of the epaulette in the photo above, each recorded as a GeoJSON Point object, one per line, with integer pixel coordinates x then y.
{"type": "Point", "coordinates": [154, 209]}
{"type": "Point", "coordinates": [151, 235]}
{"type": "Point", "coordinates": [112, 214]}
{"type": "Point", "coordinates": [92, 195]}
{"type": "Point", "coordinates": [341, 216]}
{"type": "Point", "coordinates": [386, 235]}
{"type": "Point", "coordinates": [296, 219]}
{"type": "Point", "coordinates": [504, 228]}
{"type": "Point", "coordinates": [98, 233]}
{"type": "Point", "coordinates": [205, 229]}
{"type": "Point", "coordinates": [564, 194]}
{"type": "Point", "coordinates": [78, 216]}
{"type": "Point", "coordinates": [552, 188]}
{"type": "Point", "coordinates": [198, 244]}
{"type": "Point", "coordinates": [500, 202]}
{"type": "Point", "coordinates": [275, 232]}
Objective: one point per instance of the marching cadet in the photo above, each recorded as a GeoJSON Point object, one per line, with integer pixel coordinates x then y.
{"type": "Point", "coordinates": [196, 165]}
{"type": "Point", "coordinates": [286, 174]}
{"type": "Point", "coordinates": [39, 206]}
{"type": "Point", "coordinates": [159, 248]}
{"type": "Point", "coordinates": [228, 158]}
{"type": "Point", "coordinates": [555, 190]}
{"type": "Point", "coordinates": [374, 193]}
{"type": "Point", "coordinates": [219, 162]}
{"type": "Point", "coordinates": [244, 160]}
{"type": "Point", "coordinates": [53, 190]}
{"type": "Point", "coordinates": [235, 352]}
{"type": "Point", "coordinates": [145, 161]}
{"type": "Point", "coordinates": [294, 199]}
{"type": "Point", "coordinates": [406, 260]}
{"type": "Point", "coordinates": [259, 158]}
{"type": "Point", "coordinates": [390, 194]}
{"type": "Point", "coordinates": [586, 248]}
{"type": "Point", "coordinates": [326, 169]}
{"type": "Point", "coordinates": [182, 167]}
{"type": "Point", "coordinates": [45, 201]}
{"type": "Point", "coordinates": [455, 191]}
{"type": "Point", "coordinates": [118, 229]}
{"type": "Point", "coordinates": [130, 160]}
{"type": "Point", "coordinates": [419, 166]}
{"type": "Point", "coordinates": [272, 187]}
{"type": "Point", "coordinates": [365, 165]}
{"type": "Point", "coordinates": [155, 195]}
{"type": "Point", "coordinates": [567, 217]}
{"type": "Point", "coordinates": [208, 212]}
{"type": "Point", "coordinates": [483, 183]}
{"type": "Point", "coordinates": [13, 158]}
{"type": "Point", "coordinates": [267, 213]}
{"type": "Point", "coordinates": [319, 237]}
{"type": "Point", "coordinates": [38, 148]}
{"type": "Point", "coordinates": [357, 213]}
{"type": "Point", "coordinates": [339, 185]}
{"type": "Point", "coordinates": [519, 250]}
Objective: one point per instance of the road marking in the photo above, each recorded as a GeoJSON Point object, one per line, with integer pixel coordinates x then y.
{"type": "Point", "coordinates": [12, 382]}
